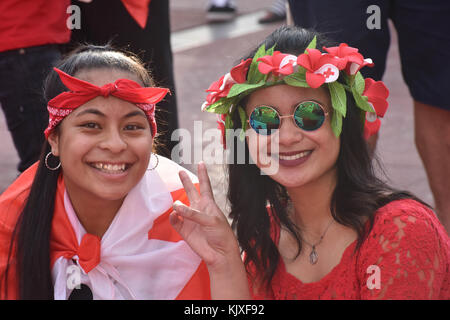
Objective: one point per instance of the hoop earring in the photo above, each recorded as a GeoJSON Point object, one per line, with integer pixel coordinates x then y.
{"type": "Point", "coordinates": [46, 163]}
{"type": "Point", "coordinates": [157, 162]}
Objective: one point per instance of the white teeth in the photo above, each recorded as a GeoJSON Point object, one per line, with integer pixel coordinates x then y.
{"type": "Point", "coordinates": [110, 167]}
{"type": "Point", "coordinates": [295, 156]}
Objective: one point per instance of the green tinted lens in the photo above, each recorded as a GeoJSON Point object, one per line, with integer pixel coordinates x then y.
{"type": "Point", "coordinates": [309, 116]}
{"type": "Point", "coordinates": [264, 119]}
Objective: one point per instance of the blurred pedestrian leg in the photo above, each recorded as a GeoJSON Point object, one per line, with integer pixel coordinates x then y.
{"type": "Point", "coordinates": [30, 32]}
{"type": "Point", "coordinates": [432, 132]}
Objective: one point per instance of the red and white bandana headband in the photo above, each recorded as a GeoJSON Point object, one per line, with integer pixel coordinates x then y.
{"type": "Point", "coordinates": [82, 91]}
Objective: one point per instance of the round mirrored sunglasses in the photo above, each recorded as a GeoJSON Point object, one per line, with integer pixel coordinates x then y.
{"type": "Point", "coordinates": [308, 116]}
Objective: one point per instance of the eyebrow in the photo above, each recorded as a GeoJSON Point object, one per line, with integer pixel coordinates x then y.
{"type": "Point", "coordinates": [101, 114]}
{"type": "Point", "coordinates": [135, 113]}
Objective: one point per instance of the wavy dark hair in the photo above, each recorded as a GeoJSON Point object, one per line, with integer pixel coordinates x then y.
{"type": "Point", "coordinates": [356, 197]}
{"type": "Point", "coordinates": [32, 231]}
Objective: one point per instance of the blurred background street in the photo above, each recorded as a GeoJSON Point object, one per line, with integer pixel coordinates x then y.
{"type": "Point", "coordinates": [204, 51]}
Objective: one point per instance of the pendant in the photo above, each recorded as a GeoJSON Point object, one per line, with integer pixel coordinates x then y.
{"type": "Point", "coordinates": [313, 256]}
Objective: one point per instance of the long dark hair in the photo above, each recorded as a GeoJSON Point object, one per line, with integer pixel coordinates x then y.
{"type": "Point", "coordinates": [356, 197]}
{"type": "Point", "coordinates": [32, 231]}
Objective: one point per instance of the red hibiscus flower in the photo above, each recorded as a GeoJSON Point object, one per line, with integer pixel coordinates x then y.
{"type": "Point", "coordinates": [220, 89]}
{"type": "Point", "coordinates": [377, 93]}
{"type": "Point", "coordinates": [278, 63]}
{"type": "Point", "coordinates": [320, 68]}
{"type": "Point", "coordinates": [239, 72]}
{"type": "Point", "coordinates": [354, 60]}
{"type": "Point", "coordinates": [343, 51]}
{"type": "Point", "coordinates": [221, 126]}
{"type": "Point", "coordinates": [371, 125]}
{"type": "Point", "coordinates": [353, 67]}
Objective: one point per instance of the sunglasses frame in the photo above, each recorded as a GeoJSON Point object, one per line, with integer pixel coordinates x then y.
{"type": "Point", "coordinates": [290, 116]}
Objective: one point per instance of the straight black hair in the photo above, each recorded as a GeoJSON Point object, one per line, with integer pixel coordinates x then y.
{"type": "Point", "coordinates": [356, 197]}
{"type": "Point", "coordinates": [33, 229]}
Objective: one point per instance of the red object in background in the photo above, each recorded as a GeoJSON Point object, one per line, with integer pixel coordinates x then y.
{"type": "Point", "coordinates": [33, 23]}
{"type": "Point", "coordinates": [138, 9]}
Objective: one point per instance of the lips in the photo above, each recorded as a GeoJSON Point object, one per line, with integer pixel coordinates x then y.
{"type": "Point", "coordinates": [110, 168]}
{"type": "Point", "coordinates": [294, 155]}
{"type": "Point", "coordinates": [293, 158]}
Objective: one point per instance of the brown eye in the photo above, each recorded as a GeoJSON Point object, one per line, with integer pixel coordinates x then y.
{"type": "Point", "coordinates": [133, 127]}
{"type": "Point", "coordinates": [90, 125]}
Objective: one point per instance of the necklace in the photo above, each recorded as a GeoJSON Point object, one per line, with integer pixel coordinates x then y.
{"type": "Point", "coordinates": [314, 256]}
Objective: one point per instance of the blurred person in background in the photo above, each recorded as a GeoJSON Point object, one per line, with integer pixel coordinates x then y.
{"type": "Point", "coordinates": [424, 42]}
{"type": "Point", "coordinates": [30, 35]}
{"type": "Point", "coordinates": [276, 12]}
{"type": "Point", "coordinates": [221, 10]}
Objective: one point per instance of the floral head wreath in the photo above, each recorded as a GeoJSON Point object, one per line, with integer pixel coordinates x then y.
{"type": "Point", "coordinates": [310, 69]}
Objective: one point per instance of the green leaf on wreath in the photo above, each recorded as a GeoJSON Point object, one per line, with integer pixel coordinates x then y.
{"type": "Point", "coordinates": [359, 83]}
{"type": "Point", "coordinates": [336, 123]}
{"type": "Point", "coordinates": [312, 44]}
{"type": "Point", "coordinates": [243, 117]}
{"type": "Point", "coordinates": [254, 75]}
{"type": "Point", "coordinates": [296, 80]}
{"type": "Point", "coordinates": [362, 101]}
{"type": "Point", "coordinates": [338, 97]}
{"type": "Point", "coordinates": [239, 88]}
{"type": "Point", "coordinates": [219, 107]}
{"type": "Point", "coordinates": [270, 51]}
{"type": "Point", "coordinates": [228, 122]}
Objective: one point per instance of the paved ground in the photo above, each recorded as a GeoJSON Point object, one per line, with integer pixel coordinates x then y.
{"type": "Point", "coordinates": [203, 52]}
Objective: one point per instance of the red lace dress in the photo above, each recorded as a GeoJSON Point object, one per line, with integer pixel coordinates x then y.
{"type": "Point", "coordinates": [405, 256]}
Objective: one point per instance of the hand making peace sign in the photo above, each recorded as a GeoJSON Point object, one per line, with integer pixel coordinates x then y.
{"type": "Point", "coordinates": [203, 225]}
{"type": "Point", "coordinates": [205, 228]}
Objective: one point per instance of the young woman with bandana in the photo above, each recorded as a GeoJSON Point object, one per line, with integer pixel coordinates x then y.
{"type": "Point", "coordinates": [90, 220]}
{"type": "Point", "coordinates": [321, 225]}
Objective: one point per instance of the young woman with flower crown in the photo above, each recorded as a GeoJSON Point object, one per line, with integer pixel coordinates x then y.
{"type": "Point", "coordinates": [91, 218]}
{"type": "Point", "coordinates": [321, 226]}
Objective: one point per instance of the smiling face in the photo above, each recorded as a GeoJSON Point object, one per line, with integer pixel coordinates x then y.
{"type": "Point", "coordinates": [302, 156]}
{"type": "Point", "coordinates": [104, 145]}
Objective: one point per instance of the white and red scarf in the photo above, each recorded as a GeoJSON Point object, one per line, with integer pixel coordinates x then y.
{"type": "Point", "coordinates": [139, 257]}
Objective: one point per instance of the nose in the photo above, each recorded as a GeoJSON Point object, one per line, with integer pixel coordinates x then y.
{"type": "Point", "coordinates": [113, 141]}
{"type": "Point", "coordinates": [289, 133]}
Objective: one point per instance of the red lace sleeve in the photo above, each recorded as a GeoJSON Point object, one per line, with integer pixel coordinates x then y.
{"type": "Point", "coordinates": [406, 255]}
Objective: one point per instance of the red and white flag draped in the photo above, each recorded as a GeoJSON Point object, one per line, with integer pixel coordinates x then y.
{"type": "Point", "coordinates": [139, 257]}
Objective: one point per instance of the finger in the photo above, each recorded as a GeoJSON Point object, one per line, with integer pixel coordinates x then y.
{"type": "Point", "coordinates": [194, 215]}
{"type": "Point", "coordinates": [189, 187]}
{"type": "Point", "coordinates": [176, 221]}
{"type": "Point", "coordinates": [204, 181]}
